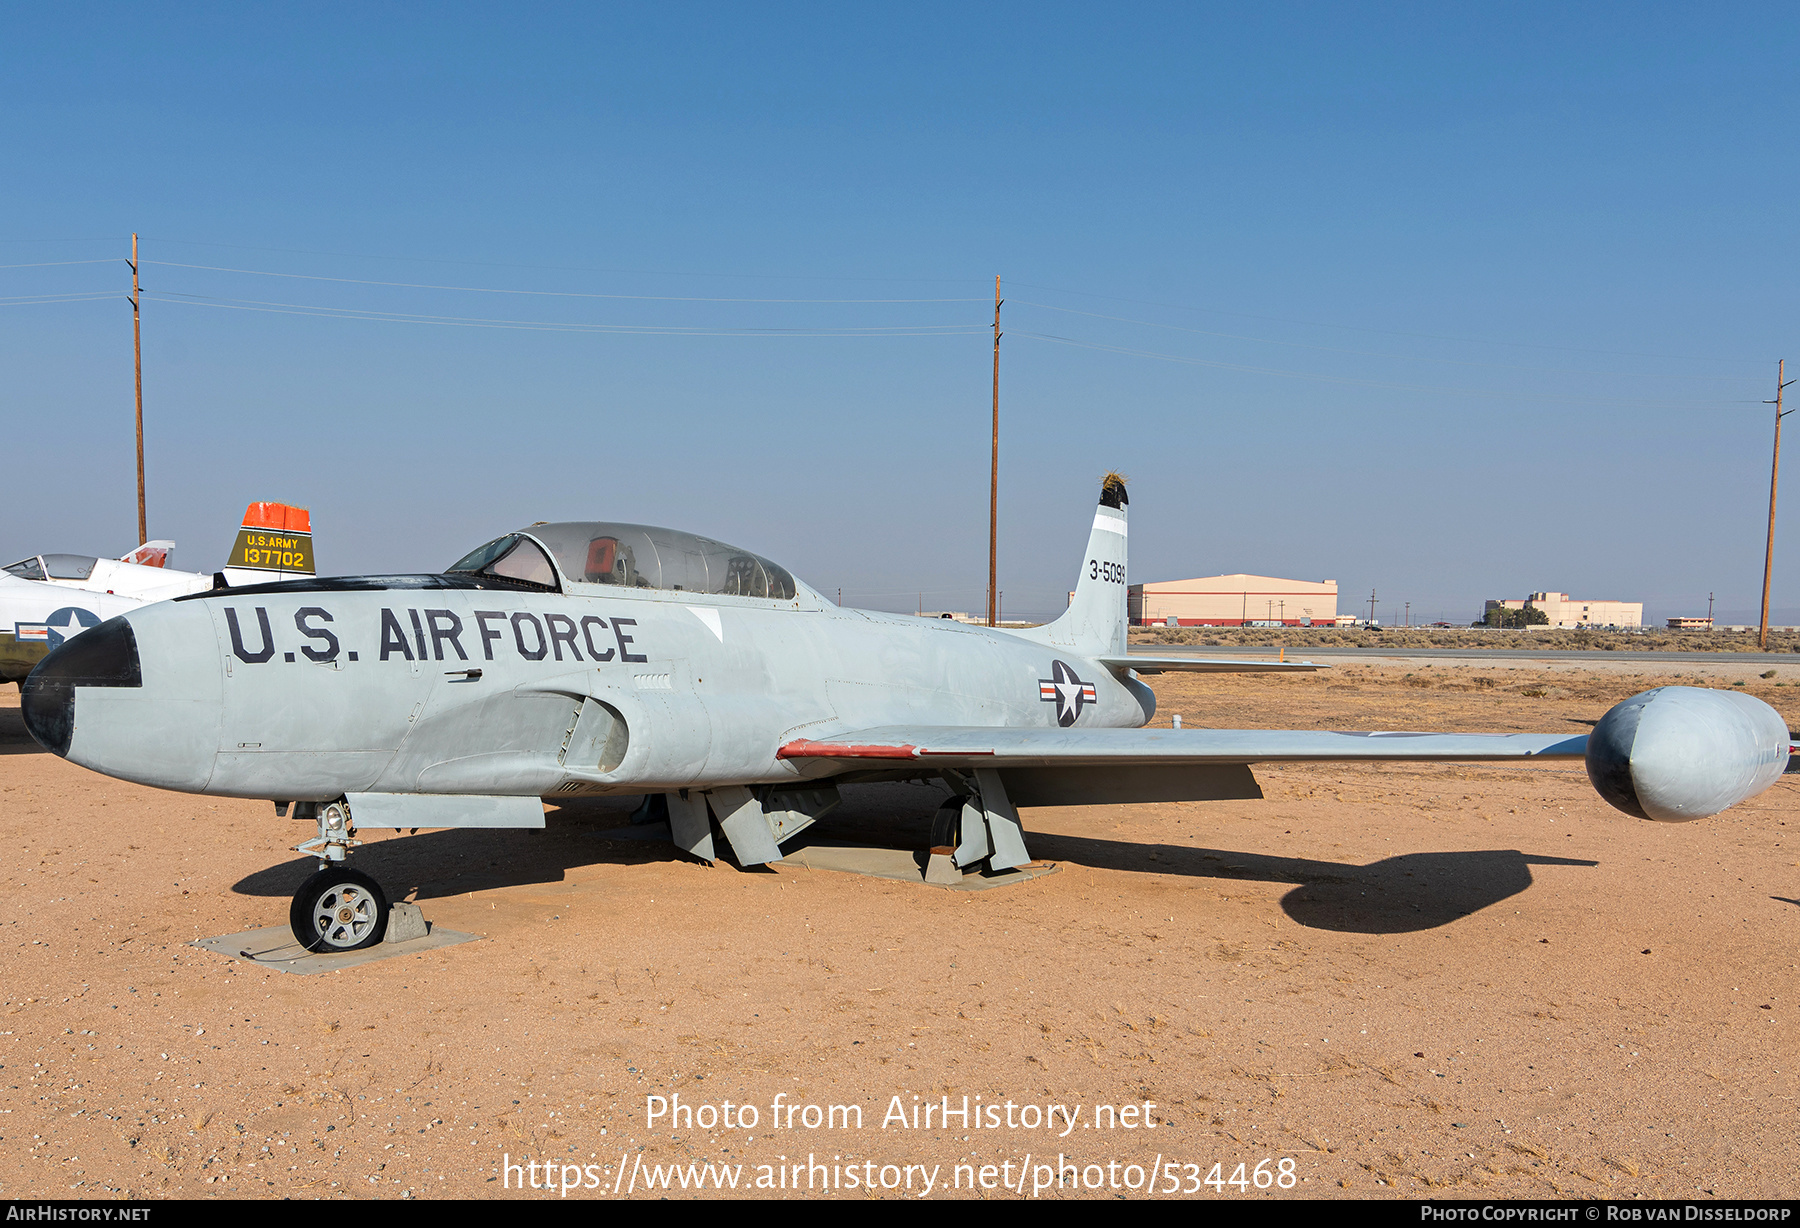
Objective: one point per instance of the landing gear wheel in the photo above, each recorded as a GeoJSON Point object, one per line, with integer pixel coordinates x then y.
{"type": "Point", "coordinates": [946, 824]}
{"type": "Point", "coordinates": [946, 831]}
{"type": "Point", "coordinates": [339, 909]}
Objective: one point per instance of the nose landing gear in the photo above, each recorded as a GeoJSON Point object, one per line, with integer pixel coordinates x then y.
{"type": "Point", "coordinates": [337, 908]}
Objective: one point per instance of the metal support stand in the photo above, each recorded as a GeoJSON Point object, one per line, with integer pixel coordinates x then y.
{"type": "Point", "coordinates": [978, 823]}
{"type": "Point", "coordinates": [1005, 831]}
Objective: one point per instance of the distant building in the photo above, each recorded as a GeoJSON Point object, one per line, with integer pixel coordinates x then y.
{"type": "Point", "coordinates": [1233, 601]}
{"type": "Point", "coordinates": [1690, 624]}
{"type": "Point", "coordinates": [1561, 611]}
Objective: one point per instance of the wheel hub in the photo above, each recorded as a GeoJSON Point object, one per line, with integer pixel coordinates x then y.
{"type": "Point", "coordinates": [345, 914]}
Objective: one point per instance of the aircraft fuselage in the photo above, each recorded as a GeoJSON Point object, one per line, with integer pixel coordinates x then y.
{"type": "Point", "coordinates": [442, 685]}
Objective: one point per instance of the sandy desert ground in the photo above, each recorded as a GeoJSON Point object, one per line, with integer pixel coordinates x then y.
{"type": "Point", "coordinates": [1463, 981]}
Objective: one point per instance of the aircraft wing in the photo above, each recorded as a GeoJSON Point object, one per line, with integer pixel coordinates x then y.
{"type": "Point", "coordinates": [985, 747]}
{"type": "Point", "coordinates": [1144, 663]}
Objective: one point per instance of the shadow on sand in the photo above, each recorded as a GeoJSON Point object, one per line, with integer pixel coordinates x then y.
{"type": "Point", "coordinates": [14, 740]}
{"type": "Point", "coordinates": [446, 862]}
{"type": "Point", "coordinates": [1396, 895]}
{"type": "Point", "coordinates": [1403, 894]}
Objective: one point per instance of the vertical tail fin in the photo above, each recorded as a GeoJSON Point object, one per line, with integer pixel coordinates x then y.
{"type": "Point", "coordinates": [151, 554]}
{"type": "Point", "coordinates": [275, 543]}
{"type": "Point", "coordinates": [1095, 621]}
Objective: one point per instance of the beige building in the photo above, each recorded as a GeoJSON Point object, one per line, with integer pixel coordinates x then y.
{"type": "Point", "coordinates": [1563, 611]}
{"type": "Point", "coordinates": [1233, 601]}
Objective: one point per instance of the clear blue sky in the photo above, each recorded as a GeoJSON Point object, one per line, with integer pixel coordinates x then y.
{"type": "Point", "coordinates": [1445, 301]}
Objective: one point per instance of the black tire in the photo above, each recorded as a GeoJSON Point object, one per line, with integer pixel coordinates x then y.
{"type": "Point", "coordinates": [339, 909]}
{"type": "Point", "coordinates": [946, 824]}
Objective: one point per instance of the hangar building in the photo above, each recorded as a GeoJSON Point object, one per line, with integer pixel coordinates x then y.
{"type": "Point", "coordinates": [1234, 601]}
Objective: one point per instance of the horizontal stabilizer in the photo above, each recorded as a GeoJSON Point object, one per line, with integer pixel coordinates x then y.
{"type": "Point", "coordinates": [1144, 663]}
{"type": "Point", "coordinates": [980, 746]}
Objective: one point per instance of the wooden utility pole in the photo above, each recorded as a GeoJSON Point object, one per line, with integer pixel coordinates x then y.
{"type": "Point", "coordinates": [137, 362]}
{"type": "Point", "coordinates": [994, 476]}
{"type": "Point", "coordinates": [1762, 637]}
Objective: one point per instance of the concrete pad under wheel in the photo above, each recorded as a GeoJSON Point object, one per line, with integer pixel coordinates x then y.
{"type": "Point", "coordinates": [274, 947]}
{"type": "Point", "coordinates": [903, 865]}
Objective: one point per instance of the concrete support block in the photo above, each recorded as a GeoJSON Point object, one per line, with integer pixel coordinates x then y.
{"type": "Point", "coordinates": [941, 869]}
{"type": "Point", "coordinates": [405, 923]}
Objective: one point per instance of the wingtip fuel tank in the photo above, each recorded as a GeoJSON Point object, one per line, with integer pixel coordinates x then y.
{"type": "Point", "coordinates": [1679, 753]}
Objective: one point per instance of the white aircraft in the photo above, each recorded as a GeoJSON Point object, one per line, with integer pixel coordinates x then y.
{"type": "Point", "coordinates": [595, 658]}
{"type": "Point", "coordinates": [48, 598]}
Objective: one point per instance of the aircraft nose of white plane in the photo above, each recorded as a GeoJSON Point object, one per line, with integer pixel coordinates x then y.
{"type": "Point", "coordinates": [136, 697]}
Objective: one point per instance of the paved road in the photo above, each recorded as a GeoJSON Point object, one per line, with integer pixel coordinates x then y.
{"type": "Point", "coordinates": [1763, 659]}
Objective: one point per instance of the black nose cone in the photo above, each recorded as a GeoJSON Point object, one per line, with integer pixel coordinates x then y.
{"type": "Point", "coordinates": [105, 656]}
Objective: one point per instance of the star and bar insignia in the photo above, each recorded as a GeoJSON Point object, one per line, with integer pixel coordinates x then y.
{"type": "Point", "coordinates": [1068, 692]}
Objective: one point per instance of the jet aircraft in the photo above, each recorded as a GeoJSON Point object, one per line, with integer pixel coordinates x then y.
{"type": "Point", "coordinates": [600, 658]}
{"type": "Point", "coordinates": [48, 598]}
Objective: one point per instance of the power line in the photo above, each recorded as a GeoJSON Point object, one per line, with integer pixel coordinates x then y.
{"type": "Point", "coordinates": [660, 298]}
{"type": "Point", "coordinates": [499, 264]}
{"type": "Point", "coordinates": [1350, 380]}
{"type": "Point", "coordinates": [45, 264]}
{"type": "Point", "coordinates": [662, 330]}
{"type": "Point", "coordinates": [817, 277]}
{"type": "Point", "coordinates": [78, 296]}
{"type": "Point", "coordinates": [276, 307]}
{"type": "Point", "coordinates": [1329, 349]}
{"type": "Point", "coordinates": [1388, 332]}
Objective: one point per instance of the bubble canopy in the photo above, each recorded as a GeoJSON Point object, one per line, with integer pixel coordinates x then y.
{"type": "Point", "coordinates": [631, 556]}
{"type": "Point", "coordinates": [56, 566]}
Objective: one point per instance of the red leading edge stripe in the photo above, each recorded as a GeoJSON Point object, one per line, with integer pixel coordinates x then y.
{"type": "Point", "coordinates": [848, 750]}
{"type": "Point", "coordinates": [844, 750]}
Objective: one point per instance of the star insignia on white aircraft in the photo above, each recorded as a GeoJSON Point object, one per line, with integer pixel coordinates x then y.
{"type": "Point", "coordinates": [69, 621]}
{"type": "Point", "coordinates": [1068, 692]}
